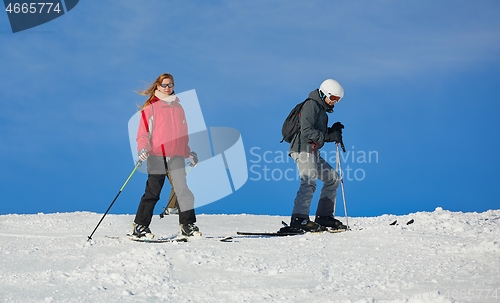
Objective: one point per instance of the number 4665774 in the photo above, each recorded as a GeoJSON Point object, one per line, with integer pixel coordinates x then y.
{"type": "Point", "coordinates": [33, 8]}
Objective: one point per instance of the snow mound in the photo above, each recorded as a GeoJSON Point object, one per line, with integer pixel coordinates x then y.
{"type": "Point", "coordinates": [442, 256]}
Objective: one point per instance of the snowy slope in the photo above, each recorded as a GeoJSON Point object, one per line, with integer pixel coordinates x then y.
{"type": "Point", "coordinates": [442, 257]}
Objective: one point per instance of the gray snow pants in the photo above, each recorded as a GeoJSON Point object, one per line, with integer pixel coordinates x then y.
{"type": "Point", "coordinates": [312, 167]}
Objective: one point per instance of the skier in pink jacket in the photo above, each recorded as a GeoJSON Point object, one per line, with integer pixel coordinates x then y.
{"type": "Point", "coordinates": [163, 140]}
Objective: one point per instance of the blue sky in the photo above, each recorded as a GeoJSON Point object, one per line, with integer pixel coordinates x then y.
{"type": "Point", "coordinates": [420, 80]}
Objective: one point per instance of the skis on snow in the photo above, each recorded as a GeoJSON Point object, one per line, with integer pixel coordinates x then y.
{"type": "Point", "coordinates": [284, 234]}
{"type": "Point", "coordinates": [287, 230]}
{"type": "Point", "coordinates": [171, 239]}
{"type": "Point", "coordinates": [158, 240]}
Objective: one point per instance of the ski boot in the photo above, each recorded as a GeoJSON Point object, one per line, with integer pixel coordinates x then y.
{"type": "Point", "coordinates": [305, 224]}
{"type": "Point", "coordinates": [331, 222]}
{"type": "Point", "coordinates": [189, 230]}
{"type": "Point", "coordinates": [140, 231]}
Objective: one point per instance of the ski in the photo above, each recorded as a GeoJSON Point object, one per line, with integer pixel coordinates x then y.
{"type": "Point", "coordinates": [287, 230]}
{"type": "Point", "coordinates": [171, 239]}
{"type": "Point", "coordinates": [284, 234]}
{"type": "Point", "coordinates": [221, 239]}
{"type": "Point", "coordinates": [148, 240]}
{"type": "Point", "coordinates": [266, 234]}
{"type": "Point", "coordinates": [159, 240]}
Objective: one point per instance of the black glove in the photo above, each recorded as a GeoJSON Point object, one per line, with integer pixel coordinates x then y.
{"type": "Point", "coordinates": [337, 126]}
{"type": "Point", "coordinates": [335, 136]}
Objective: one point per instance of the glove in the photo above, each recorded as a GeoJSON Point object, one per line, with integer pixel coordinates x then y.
{"type": "Point", "coordinates": [335, 136]}
{"type": "Point", "coordinates": [193, 159]}
{"type": "Point", "coordinates": [143, 155]}
{"type": "Point", "coordinates": [337, 126]}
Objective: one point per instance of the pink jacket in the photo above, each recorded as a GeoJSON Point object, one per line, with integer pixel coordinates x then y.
{"type": "Point", "coordinates": [163, 130]}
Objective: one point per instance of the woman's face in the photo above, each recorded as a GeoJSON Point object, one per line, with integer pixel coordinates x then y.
{"type": "Point", "coordinates": [166, 86]}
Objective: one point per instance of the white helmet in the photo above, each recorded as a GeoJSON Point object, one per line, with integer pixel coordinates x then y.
{"type": "Point", "coordinates": [330, 87]}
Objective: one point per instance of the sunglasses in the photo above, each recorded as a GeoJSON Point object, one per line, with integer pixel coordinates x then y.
{"type": "Point", "coordinates": [165, 85]}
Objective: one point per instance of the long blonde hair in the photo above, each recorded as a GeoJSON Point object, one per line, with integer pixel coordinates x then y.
{"type": "Point", "coordinates": [150, 92]}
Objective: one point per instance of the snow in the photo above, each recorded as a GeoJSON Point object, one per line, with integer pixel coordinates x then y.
{"type": "Point", "coordinates": [442, 257]}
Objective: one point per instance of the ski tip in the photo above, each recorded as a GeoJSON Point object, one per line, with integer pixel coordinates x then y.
{"type": "Point", "coordinates": [333, 231]}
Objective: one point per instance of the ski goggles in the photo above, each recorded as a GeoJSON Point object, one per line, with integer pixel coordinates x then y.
{"type": "Point", "coordinates": [334, 98]}
{"type": "Point", "coordinates": [165, 85]}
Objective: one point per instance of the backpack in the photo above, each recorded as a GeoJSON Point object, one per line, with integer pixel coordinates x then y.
{"type": "Point", "coordinates": [291, 125]}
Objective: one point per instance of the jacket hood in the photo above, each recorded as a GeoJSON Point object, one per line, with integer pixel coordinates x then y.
{"type": "Point", "coordinates": [314, 95]}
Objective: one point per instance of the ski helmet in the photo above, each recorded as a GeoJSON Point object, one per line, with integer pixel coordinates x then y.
{"type": "Point", "coordinates": [331, 87]}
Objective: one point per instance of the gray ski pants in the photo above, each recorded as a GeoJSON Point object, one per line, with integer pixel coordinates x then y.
{"type": "Point", "coordinates": [311, 167]}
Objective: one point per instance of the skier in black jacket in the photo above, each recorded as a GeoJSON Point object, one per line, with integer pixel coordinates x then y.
{"type": "Point", "coordinates": [304, 149]}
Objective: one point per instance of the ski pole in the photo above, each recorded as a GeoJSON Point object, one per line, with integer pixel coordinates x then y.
{"type": "Point", "coordinates": [342, 184]}
{"type": "Point", "coordinates": [337, 161]}
{"type": "Point", "coordinates": [116, 197]}
{"type": "Point", "coordinates": [337, 164]}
